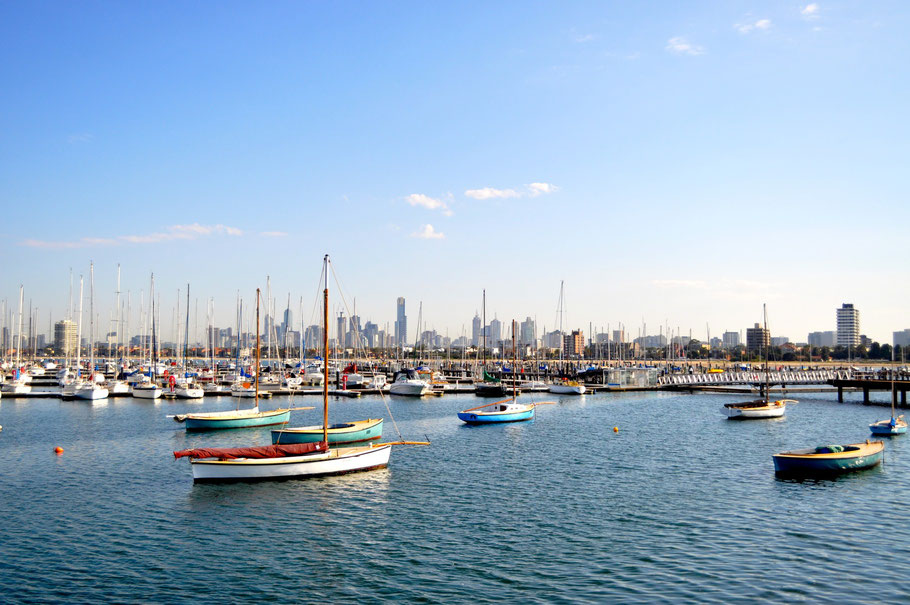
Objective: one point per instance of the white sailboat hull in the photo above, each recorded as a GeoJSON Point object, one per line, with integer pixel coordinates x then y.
{"type": "Point", "coordinates": [141, 392]}
{"type": "Point", "coordinates": [189, 393]}
{"type": "Point", "coordinates": [771, 411]}
{"type": "Point", "coordinates": [16, 387]}
{"type": "Point", "coordinates": [91, 392]}
{"type": "Point", "coordinates": [566, 389]}
{"type": "Point", "coordinates": [335, 462]}
{"type": "Point", "coordinates": [412, 388]}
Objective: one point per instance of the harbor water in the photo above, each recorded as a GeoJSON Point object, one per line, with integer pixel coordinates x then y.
{"type": "Point", "coordinates": [679, 505]}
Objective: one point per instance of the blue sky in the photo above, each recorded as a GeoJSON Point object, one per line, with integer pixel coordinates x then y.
{"type": "Point", "coordinates": [676, 163]}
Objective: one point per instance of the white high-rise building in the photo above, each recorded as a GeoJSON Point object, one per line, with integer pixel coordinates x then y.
{"type": "Point", "coordinates": [731, 340]}
{"type": "Point", "coordinates": [65, 337]}
{"type": "Point", "coordinates": [847, 326]}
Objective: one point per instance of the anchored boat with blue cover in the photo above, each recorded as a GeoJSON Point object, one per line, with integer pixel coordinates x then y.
{"type": "Point", "coordinates": [830, 459]}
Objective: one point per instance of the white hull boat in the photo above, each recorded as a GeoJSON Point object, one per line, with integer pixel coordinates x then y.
{"type": "Point", "coordinates": [16, 387]}
{"type": "Point", "coordinates": [189, 392]}
{"type": "Point", "coordinates": [757, 409]}
{"type": "Point", "coordinates": [569, 388]}
{"type": "Point", "coordinates": [147, 391]}
{"type": "Point", "coordinates": [320, 463]}
{"type": "Point", "coordinates": [91, 392]}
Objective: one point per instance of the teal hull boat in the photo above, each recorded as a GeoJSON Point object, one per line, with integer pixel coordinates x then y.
{"type": "Point", "coordinates": [239, 419]}
{"type": "Point", "coordinates": [512, 412]}
{"type": "Point", "coordinates": [346, 432]}
{"type": "Point", "coordinates": [829, 459]}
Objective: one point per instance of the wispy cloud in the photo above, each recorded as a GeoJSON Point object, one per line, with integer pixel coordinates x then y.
{"type": "Point", "coordinates": [431, 203]}
{"type": "Point", "coordinates": [428, 232]}
{"type": "Point", "coordinates": [489, 193]}
{"type": "Point", "coordinates": [274, 234]}
{"type": "Point", "coordinates": [810, 11]}
{"type": "Point", "coordinates": [530, 190]}
{"type": "Point", "coordinates": [174, 232]}
{"type": "Point", "coordinates": [681, 46]}
{"type": "Point", "coordinates": [80, 137]}
{"type": "Point", "coordinates": [582, 38]}
{"type": "Point", "coordinates": [761, 24]}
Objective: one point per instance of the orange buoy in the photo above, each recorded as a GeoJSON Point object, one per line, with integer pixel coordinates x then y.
{"type": "Point", "coordinates": [615, 429]}
{"type": "Point", "coordinates": [58, 450]}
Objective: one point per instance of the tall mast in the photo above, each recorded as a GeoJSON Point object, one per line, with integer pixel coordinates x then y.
{"type": "Point", "coordinates": [257, 348]}
{"type": "Point", "coordinates": [91, 324]}
{"type": "Point", "coordinates": [325, 344]}
{"type": "Point", "coordinates": [119, 317]}
{"type": "Point", "coordinates": [186, 332]}
{"type": "Point", "coordinates": [19, 330]}
{"type": "Point", "coordinates": [79, 335]}
{"type": "Point", "coordinates": [514, 365]}
{"type": "Point", "coordinates": [765, 333]}
{"type": "Point", "coordinates": [483, 331]}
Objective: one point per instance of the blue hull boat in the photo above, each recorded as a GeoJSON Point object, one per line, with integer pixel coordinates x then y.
{"type": "Point", "coordinates": [830, 459]}
{"type": "Point", "coordinates": [512, 412]}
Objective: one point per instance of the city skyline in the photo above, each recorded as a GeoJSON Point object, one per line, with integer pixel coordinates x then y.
{"type": "Point", "coordinates": [678, 166]}
{"type": "Point", "coordinates": [528, 331]}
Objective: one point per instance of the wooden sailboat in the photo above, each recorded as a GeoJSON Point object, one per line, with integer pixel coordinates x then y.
{"type": "Point", "coordinates": [237, 419]}
{"type": "Point", "coordinates": [508, 410]}
{"type": "Point", "coordinates": [295, 461]}
{"type": "Point", "coordinates": [759, 408]}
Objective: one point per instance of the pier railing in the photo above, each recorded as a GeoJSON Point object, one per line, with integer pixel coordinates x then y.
{"type": "Point", "coordinates": [755, 378]}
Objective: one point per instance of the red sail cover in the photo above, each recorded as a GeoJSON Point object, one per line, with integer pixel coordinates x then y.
{"type": "Point", "coordinates": [263, 451]}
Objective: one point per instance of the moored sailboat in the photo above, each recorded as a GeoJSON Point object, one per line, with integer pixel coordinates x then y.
{"type": "Point", "coordinates": [759, 408]}
{"type": "Point", "coordinates": [896, 425]}
{"type": "Point", "coordinates": [236, 419]}
{"type": "Point", "coordinates": [295, 461]}
{"type": "Point", "coordinates": [508, 410]}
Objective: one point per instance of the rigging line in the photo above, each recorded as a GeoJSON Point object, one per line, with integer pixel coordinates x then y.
{"type": "Point", "coordinates": [360, 344]}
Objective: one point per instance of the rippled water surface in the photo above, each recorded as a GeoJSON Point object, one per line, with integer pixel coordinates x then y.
{"type": "Point", "coordinates": [679, 505]}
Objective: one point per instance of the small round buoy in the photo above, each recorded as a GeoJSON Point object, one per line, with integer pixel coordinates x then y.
{"type": "Point", "coordinates": [58, 450]}
{"type": "Point", "coordinates": [615, 429]}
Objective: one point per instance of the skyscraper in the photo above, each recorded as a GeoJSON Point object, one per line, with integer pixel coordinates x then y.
{"type": "Point", "coordinates": [847, 326]}
{"type": "Point", "coordinates": [401, 324]}
{"type": "Point", "coordinates": [528, 332]}
{"type": "Point", "coordinates": [476, 333]}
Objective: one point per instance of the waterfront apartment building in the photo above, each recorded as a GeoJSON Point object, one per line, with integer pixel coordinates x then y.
{"type": "Point", "coordinates": [731, 340]}
{"type": "Point", "coordinates": [757, 338]}
{"type": "Point", "coordinates": [777, 341]}
{"type": "Point", "coordinates": [902, 338]}
{"type": "Point", "coordinates": [401, 323]}
{"type": "Point", "coordinates": [65, 337]}
{"type": "Point", "coordinates": [823, 339]}
{"type": "Point", "coordinates": [574, 343]}
{"type": "Point", "coordinates": [848, 326]}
